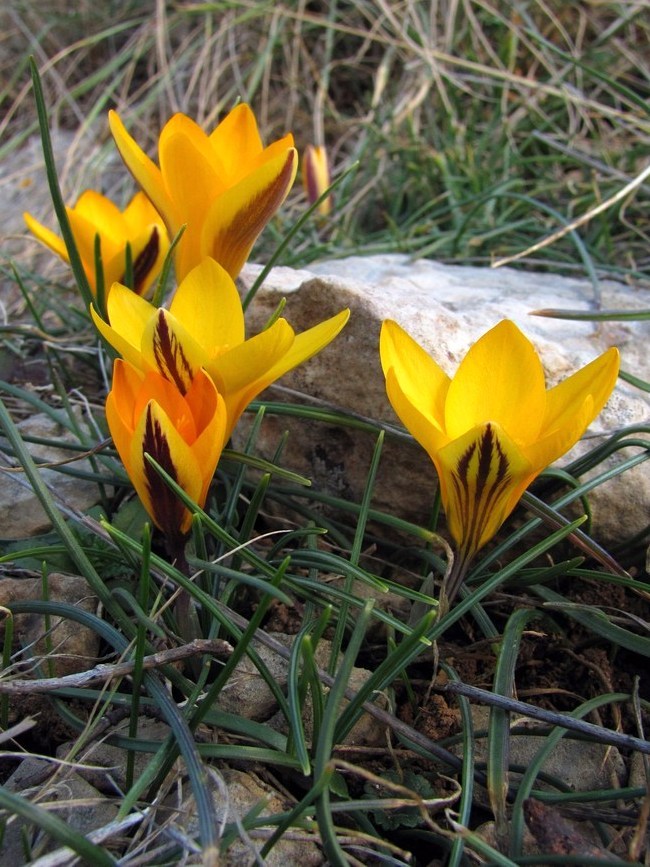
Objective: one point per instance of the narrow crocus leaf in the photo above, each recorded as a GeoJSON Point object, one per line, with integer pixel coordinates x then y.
{"type": "Point", "coordinates": [204, 329]}
{"type": "Point", "coordinates": [223, 187]}
{"type": "Point", "coordinates": [139, 228]}
{"type": "Point", "coordinates": [494, 426]}
{"type": "Point", "coordinates": [184, 434]}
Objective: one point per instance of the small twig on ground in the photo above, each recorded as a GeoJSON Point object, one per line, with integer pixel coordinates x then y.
{"type": "Point", "coordinates": [605, 736]}
{"type": "Point", "coordinates": [104, 672]}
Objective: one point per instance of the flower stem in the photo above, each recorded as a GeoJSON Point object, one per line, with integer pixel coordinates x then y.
{"type": "Point", "coordinates": [185, 623]}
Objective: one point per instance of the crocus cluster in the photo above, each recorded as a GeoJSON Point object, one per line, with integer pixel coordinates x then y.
{"type": "Point", "coordinates": [187, 373]}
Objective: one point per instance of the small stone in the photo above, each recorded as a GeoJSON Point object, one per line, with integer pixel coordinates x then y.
{"type": "Point", "coordinates": [247, 693]}
{"type": "Point", "coordinates": [239, 793]}
{"type": "Point", "coordinates": [69, 646]}
{"type": "Point", "coordinates": [72, 800]}
{"type": "Point", "coordinates": [103, 765]}
{"type": "Point", "coordinates": [582, 765]}
{"type": "Point", "coordinates": [21, 513]}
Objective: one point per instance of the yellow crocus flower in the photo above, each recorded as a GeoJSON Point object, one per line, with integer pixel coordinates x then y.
{"type": "Point", "coordinates": [204, 328]}
{"type": "Point", "coordinates": [316, 177]}
{"type": "Point", "coordinates": [184, 433]}
{"type": "Point", "coordinates": [138, 225]}
{"type": "Point", "coordinates": [492, 428]}
{"type": "Point", "coordinates": [223, 187]}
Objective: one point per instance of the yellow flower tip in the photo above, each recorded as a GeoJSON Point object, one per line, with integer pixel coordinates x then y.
{"type": "Point", "coordinates": [493, 427]}
{"type": "Point", "coordinates": [482, 475]}
{"type": "Point", "coordinates": [316, 177]}
{"type": "Point", "coordinates": [46, 236]}
{"type": "Point", "coordinates": [184, 434]}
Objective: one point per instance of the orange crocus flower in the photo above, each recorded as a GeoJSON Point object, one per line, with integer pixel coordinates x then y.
{"type": "Point", "coordinates": [184, 433]}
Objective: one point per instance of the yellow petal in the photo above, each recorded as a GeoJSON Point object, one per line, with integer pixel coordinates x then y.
{"type": "Point", "coordinates": [237, 216]}
{"type": "Point", "coordinates": [120, 403]}
{"type": "Point", "coordinates": [571, 407]}
{"type": "Point", "coordinates": [275, 149]}
{"type": "Point", "coordinates": [128, 315]}
{"type": "Point", "coordinates": [210, 414]}
{"type": "Point", "coordinates": [308, 343]}
{"type": "Point", "coordinates": [145, 172]}
{"type": "Point", "coordinates": [148, 251]}
{"type": "Point", "coordinates": [170, 349]}
{"type": "Point", "coordinates": [209, 307]}
{"type": "Point", "coordinates": [155, 435]}
{"type": "Point", "coordinates": [421, 427]}
{"type": "Point", "coordinates": [237, 142]}
{"type": "Point", "coordinates": [482, 476]}
{"type": "Point", "coordinates": [596, 379]}
{"type": "Point", "coordinates": [189, 168]}
{"type": "Point", "coordinates": [243, 372]}
{"type": "Point", "coordinates": [46, 236]}
{"type": "Point", "coordinates": [85, 233]}
{"type": "Point", "coordinates": [549, 448]}
{"type": "Point", "coordinates": [422, 382]}
{"type": "Point", "coordinates": [501, 380]}
{"type": "Point", "coordinates": [146, 413]}
{"type": "Point", "coordinates": [104, 215]}
{"type": "Point", "coordinates": [140, 212]}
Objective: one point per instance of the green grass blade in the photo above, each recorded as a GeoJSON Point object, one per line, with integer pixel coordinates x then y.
{"type": "Point", "coordinates": [57, 828]}
{"type": "Point", "coordinates": [499, 725]}
{"type": "Point", "coordinates": [55, 190]}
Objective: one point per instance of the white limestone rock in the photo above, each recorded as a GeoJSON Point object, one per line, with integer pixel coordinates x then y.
{"type": "Point", "coordinates": [446, 308]}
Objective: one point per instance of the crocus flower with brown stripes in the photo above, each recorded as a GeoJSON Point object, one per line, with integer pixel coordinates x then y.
{"type": "Point", "coordinates": [492, 428]}
{"type": "Point", "coordinates": [223, 187]}
{"type": "Point", "coordinates": [204, 328]}
{"type": "Point", "coordinates": [183, 433]}
{"type": "Point", "coordinates": [316, 177]}
{"type": "Point", "coordinates": [139, 225]}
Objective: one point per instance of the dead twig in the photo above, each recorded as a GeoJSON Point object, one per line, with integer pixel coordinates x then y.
{"type": "Point", "coordinates": [105, 672]}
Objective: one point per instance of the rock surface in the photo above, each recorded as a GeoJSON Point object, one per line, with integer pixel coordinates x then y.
{"type": "Point", "coordinates": [68, 647]}
{"type": "Point", "coordinates": [581, 765]}
{"type": "Point", "coordinates": [248, 694]}
{"type": "Point", "coordinates": [21, 514]}
{"type": "Point", "coordinates": [70, 797]}
{"type": "Point", "coordinates": [446, 308]}
{"type": "Point", "coordinates": [236, 794]}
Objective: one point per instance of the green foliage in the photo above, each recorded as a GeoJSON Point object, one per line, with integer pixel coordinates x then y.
{"type": "Point", "coordinates": [406, 817]}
